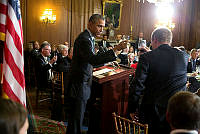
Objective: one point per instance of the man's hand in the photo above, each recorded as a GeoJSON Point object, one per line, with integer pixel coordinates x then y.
{"type": "Point", "coordinates": [54, 59]}
{"type": "Point", "coordinates": [120, 46]}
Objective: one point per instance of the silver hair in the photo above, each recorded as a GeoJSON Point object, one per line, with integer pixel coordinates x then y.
{"type": "Point", "coordinates": [162, 34]}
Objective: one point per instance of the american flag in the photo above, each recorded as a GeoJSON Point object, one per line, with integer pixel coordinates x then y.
{"type": "Point", "coordinates": [13, 62]}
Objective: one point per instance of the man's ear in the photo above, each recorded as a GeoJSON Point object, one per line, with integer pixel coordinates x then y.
{"type": "Point", "coordinates": [89, 25]}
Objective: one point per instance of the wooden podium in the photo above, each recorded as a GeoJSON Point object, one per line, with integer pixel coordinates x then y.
{"type": "Point", "coordinates": [109, 94]}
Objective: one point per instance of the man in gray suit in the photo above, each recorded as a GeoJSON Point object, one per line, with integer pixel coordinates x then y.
{"type": "Point", "coordinates": [160, 73]}
{"type": "Point", "coordinates": [84, 58]}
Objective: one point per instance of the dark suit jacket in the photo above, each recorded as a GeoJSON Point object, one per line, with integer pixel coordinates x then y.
{"type": "Point", "coordinates": [135, 45]}
{"type": "Point", "coordinates": [42, 73]}
{"type": "Point", "coordinates": [63, 64]}
{"type": "Point", "coordinates": [84, 58]}
{"type": "Point", "coordinates": [102, 48]}
{"type": "Point", "coordinates": [160, 73]}
{"type": "Point", "coordinates": [191, 67]}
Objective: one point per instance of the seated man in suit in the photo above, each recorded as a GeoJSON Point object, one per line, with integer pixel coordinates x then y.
{"type": "Point", "coordinates": [104, 44]}
{"type": "Point", "coordinates": [44, 66]}
{"type": "Point", "coordinates": [193, 61]}
{"type": "Point", "coordinates": [183, 113]}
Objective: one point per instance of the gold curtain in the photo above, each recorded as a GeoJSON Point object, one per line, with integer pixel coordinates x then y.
{"type": "Point", "coordinates": [81, 11]}
{"type": "Point", "coordinates": [72, 18]}
{"type": "Point", "coordinates": [142, 16]}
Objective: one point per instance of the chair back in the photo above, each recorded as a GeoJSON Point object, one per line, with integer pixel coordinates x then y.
{"type": "Point", "coordinates": [58, 85]}
{"type": "Point", "coordinates": [126, 126]}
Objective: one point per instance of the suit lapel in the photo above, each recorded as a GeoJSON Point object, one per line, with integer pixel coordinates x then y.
{"type": "Point", "coordinates": [92, 40]}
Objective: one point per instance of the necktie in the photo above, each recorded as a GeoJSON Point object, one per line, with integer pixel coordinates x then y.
{"type": "Point", "coordinates": [194, 65]}
{"type": "Point", "coordinates": [93, 44]}
{"type": "Point", "coordinates": [104, 44]}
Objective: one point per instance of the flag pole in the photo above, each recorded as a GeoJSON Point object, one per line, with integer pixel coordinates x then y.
{"type": "Point", "coordinates": [1, 66]}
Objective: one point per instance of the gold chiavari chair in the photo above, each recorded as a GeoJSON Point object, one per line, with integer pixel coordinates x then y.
{"type": "Point", "coordinates": [126, 126]}
{"type": "Point", "coordinates": [58, 85]}
{"type": "Point", "coordinates": [58, 111]}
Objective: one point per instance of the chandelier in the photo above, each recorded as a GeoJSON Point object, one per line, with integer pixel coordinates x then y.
{"type": "Point", "coordinates": [160, 1]}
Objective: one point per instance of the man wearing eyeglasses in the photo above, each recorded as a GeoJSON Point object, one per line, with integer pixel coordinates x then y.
{"type": "Point", "coordinates": [44, 66]}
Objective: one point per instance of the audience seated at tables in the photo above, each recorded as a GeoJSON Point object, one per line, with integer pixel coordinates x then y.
{"type": "Point", "coordinates": [183, 113]}
{"type": "Point", "coordinates": [193, 85]}
{"type": "Point", "coordinates": [44, 66]}
{"type": "Point", "coordinates": [193, 61]}
{"type": "Point", "coordinates": [13, 117]}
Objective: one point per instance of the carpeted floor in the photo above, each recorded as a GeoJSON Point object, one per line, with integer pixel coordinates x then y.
{"type": "Point", "coordinates": [40, 116]}
{"type": "Point", "coordinates": [43, 109]}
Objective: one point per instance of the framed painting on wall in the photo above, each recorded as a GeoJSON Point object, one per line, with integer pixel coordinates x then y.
{"type": "Point", "coordinates": [112, 13]}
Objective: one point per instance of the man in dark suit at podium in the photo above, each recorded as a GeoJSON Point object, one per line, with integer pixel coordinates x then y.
{"type": "Point", "coordinates": [84, 58]}
{"type": "Point", "coordinates": [160, 73]}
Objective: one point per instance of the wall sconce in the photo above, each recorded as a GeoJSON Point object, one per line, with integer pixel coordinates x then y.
{"type": "Point", "coordinates": [48, 17]}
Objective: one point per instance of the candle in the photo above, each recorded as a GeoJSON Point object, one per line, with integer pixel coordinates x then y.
{"type": "Point", "coordinates": [131, 28]}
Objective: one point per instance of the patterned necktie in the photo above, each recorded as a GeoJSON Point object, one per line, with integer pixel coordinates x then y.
{"type": "Point", "coordinates": [194, 65]}
{"type": "Point", "coordinates": [93, 44]}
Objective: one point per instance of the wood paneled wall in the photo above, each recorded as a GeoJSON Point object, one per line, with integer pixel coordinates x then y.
{"type": "Point", "coordinates": [142, 16]}
{"type": "Point", "coordinates": [56, 33]}
{"type": "Point", "coordinates": [72, 17]}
